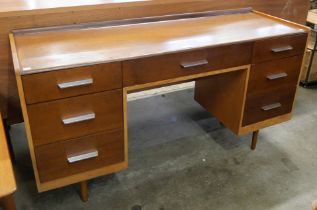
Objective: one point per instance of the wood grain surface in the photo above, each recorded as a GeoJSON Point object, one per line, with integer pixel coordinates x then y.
{"type": "Point", "coordinates": [217, 94]}
{"type": "Point", "coordinates": [46, 118]}
{"type": "Point", "coordinates": [158, 68]}
{"type": "Point", "coordinates": [260, 72]}
{"type": "Point", "coordinates": [281, 8]}
{"type": "Point", "coordinates": [7, 180]}
{"type": "Point", "coordinates": [44, 86]}
{"type": "Point", "coordinates": [254, 102]}
{"type": "Point", "coordinates": [263, 49]}
{"type": "Point", "coordinates": [50, 50]}
{"type": "Point", "coordinates": [52, 158]}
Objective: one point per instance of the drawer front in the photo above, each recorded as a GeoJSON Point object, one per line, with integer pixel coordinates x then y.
{"type": "Point", "coordinates": [171, 66]}
{"type": "Point", "coordinates": [269, 104]}
{"type": "Point", "coordinates": [280, 47]}
{"type": "Point", "coordinates": [75, 117]}
{"type": "Point", "coordinates": [71, 82]}
{"type": "Point", "coordinates": [71, 157]}
{"type": "Point", "coordinates": [274, 74]}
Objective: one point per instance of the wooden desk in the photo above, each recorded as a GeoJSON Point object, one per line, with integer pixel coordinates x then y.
{"type": "Point", "coordinates": [21, 14]}
{"type": "Point", "coordinates": [7, 180]}
{"type": "Point", "coordinates": [73, 81]}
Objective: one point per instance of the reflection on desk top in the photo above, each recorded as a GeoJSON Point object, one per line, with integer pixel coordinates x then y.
{"type": "Point", "coordinates": [58, 48]}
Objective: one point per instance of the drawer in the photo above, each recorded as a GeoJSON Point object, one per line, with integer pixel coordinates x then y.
{"type": "Point", "coordinates": [268, 104]}
{"type": "Point", "coordinates": [71, 157]}
{"type": "Point", "coordinates": [171, 66]}
{"type": "Point", "coordinates": [280, 47]}
{"type": "Point", "coordinates": [71, 82]}
{"type": "Point", "coordinates": [75, 117]}
{"type": "Point", "coordinates": [272, 74]}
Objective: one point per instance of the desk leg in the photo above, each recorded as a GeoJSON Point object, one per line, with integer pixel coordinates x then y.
{"type": "Point", "coordinates": [254, 139]}
{"type": "Point", "coordinates": [8, 203]}
{"type": "Point", "coordinates": [84, 191]}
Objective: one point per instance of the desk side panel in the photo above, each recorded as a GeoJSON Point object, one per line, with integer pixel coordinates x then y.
{"type": "Point", "coordinates": [223, 96]}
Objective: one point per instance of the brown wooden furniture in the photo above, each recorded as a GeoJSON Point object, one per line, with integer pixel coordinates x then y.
{"type": "Point", "coordinates": [314, 205]}
{"type": "Point", "coordinates": [309, 75]}
{"type": "Point", "coordinates": [18, 14]}
{"type": "Point", "coordinates": [73, 82]}
{"type": "Point", "coordinates": [7, 180]}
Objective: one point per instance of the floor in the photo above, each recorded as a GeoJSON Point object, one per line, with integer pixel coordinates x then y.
{"type": "Point", "coordinates": [181, 158]}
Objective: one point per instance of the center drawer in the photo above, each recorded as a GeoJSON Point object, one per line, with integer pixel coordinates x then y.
{"type": "Point", "coordinates": [75, 117]}
{"type": "Point", "coordinates": [171, 66]}
{"type": "Point", "coordinates": [74, 156]}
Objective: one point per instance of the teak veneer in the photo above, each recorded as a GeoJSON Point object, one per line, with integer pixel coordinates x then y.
{"type": "Point", "coordinates": [95, 45]}
{"type": "Point", "coordinates": [73, 82]}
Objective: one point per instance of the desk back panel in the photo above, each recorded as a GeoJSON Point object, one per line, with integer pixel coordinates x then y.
{"type": "Point", "coordinates": [17, 14]}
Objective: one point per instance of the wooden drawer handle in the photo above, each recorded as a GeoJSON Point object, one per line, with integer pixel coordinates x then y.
{"type": "Point", "coordinates": [271, 106]}
{"type": "Point", "coordinates": [81, 157]}
{"type": "Point", "coordinates": [81, 118]}
{"type": "Point", "coordinates": [187, 65]}
{"type": "Point", "coordinates": [276, 76]}
{"type": "Point", "coordinates": [77, 83]}
{"type": "Point", "coordinates": [282, 49]}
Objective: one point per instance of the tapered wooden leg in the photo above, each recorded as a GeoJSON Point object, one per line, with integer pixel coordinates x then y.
{"type": "Point", "coordinates": [254, 139]}
{"type": "Point", "coordinates": [8, 203]}
{"type": "Point", "coordinates": [84, 191]}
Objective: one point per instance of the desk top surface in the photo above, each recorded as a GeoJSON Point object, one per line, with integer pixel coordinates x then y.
{"type": "Point", "coordinates": [7, 180]}
{"type": "Point", "coordinates": [58, 48]}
